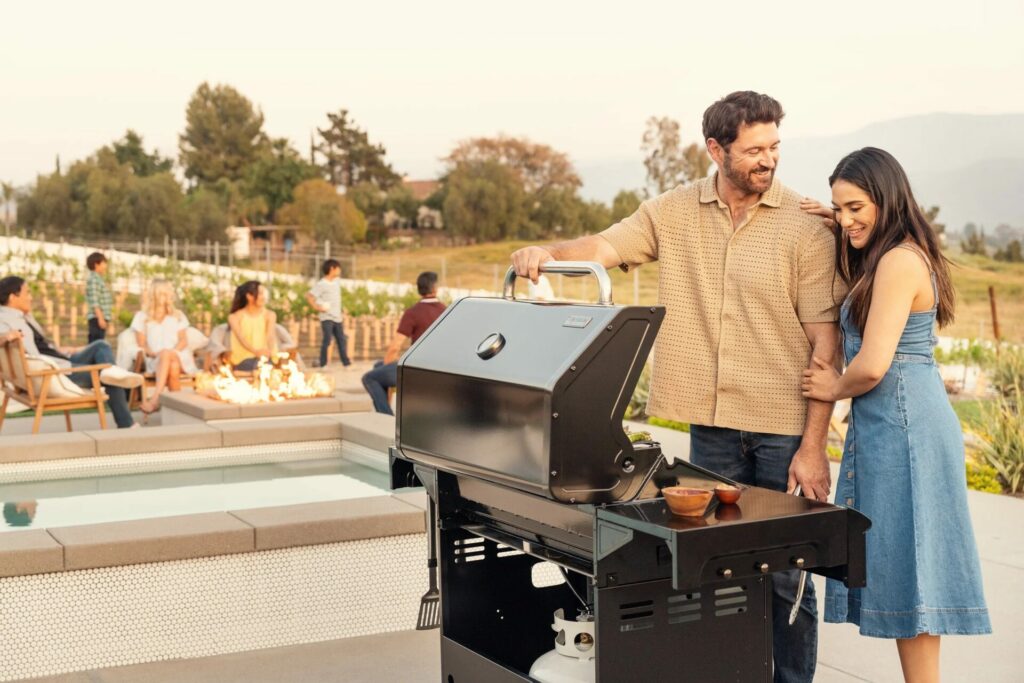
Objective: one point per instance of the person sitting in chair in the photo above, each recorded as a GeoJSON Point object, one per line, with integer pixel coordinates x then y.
{"type": "Point", "coordinates": [414, 323]}
{"type": "Point", "coordinates": [16, 320]}
{"type": "Point", "coordinates": [160, 330]}
{"type": "Point", "coordinates": [252, 327]}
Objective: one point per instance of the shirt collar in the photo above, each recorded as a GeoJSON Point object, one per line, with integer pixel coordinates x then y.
{"type": "Point", "coordinates": [709, 193]}
{"type": "Point", "coordinates": [428, 300]}
{"type": "Point", "coordinates": [10, 311]}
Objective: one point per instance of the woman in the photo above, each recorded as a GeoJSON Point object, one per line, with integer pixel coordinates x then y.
{"type": "Point", "coordinates": [252, 326]}
{"type": "Point", "coordinates": [903, 465]}
{"type": "Point", "coordinates": [160, 332]}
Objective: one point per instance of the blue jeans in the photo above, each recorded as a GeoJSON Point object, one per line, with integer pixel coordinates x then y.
{"type": "Point", "coordinates": [377, 383]}
{"type": "Point", "coordinates": [117, 398]}
{"type": "Point", "coordinates": [336, 331]}
{"type": "Point", "coordinates": [763, 460]}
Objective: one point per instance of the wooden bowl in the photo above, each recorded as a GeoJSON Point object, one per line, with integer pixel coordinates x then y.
{"type": "Point", "coordinates": [686, 502]}
{"type": "Point", "coordinates": [728, 494]}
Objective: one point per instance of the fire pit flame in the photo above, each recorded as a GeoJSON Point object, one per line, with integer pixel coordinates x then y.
{"type": "Point", "coordinates": [275, 379]}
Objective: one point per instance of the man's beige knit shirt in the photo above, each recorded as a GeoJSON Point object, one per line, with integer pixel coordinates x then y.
{"type": "Point", "coordinates": [731, 350]}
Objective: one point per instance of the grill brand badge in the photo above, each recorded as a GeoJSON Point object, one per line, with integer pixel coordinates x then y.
{"type": "Point", "coordinates": [579, 321]}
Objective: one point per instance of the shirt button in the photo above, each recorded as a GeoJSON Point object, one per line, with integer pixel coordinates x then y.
{"type": "Point", "coordinates": [849, 475]}
{"type": "Point", "coordinates": [849, 501]}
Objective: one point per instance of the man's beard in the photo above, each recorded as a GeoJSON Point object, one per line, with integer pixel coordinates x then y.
{"type": "Point", "coordinates": [746, 183]}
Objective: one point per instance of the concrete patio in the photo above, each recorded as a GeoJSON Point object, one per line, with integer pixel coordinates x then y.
{"type": "Point", "coordinates": [844, 656]}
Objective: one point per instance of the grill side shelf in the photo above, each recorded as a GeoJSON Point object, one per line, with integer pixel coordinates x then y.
{"type": "Point", "coordinates": [767, 532]}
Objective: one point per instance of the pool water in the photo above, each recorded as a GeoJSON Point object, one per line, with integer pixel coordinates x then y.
{"type": "Point", "coordinates": [71, 502]}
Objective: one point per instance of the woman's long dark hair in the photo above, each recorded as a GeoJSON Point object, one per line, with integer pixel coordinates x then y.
{"type": "Point", "coordinates": [899, 219]}
{"type": "Point", "coordinates": [241, 300]}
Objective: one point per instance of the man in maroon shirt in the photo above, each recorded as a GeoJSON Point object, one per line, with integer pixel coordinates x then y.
{"type": "Point", "coordinates": [414, 323]}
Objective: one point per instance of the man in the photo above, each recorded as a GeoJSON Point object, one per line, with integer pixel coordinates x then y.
{"type": "Point", "coordinates": [415, 321]}
{"type": "Point", "coordinates": [16, 320]}
{"type": "Point", "coordinates": [97, 297]}
{"type": "Point", "coordinates": [747, 281]}
{"type": "Point", "coordinates": [325, 298]}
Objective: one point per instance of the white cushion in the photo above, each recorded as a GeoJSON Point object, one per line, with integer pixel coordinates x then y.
{"type": "Point", "coordinates": [196, 339]}
{"type": "Point", "coordinates": [127, 349]}
{"type": "Point", "coordinates": [61, 386]}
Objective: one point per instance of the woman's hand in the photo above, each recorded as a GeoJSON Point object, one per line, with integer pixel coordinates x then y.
{"type": "Point", "coordinates": [821, 381]}
{"type": "Point", "coordinates": [816, 208]}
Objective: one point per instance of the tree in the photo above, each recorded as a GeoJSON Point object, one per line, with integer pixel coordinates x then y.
{"type": "Point", "coordinates": [153, 206]}
{"type": "Point", "coordinates": [275, 174]}
{"type": "Point", "coordinates": [932, 214]}
{"type": "Point", "coordinates": [321, 211]}
{"type": "Point", "coordinates": [669, 164]}
{"type": "Point", "coordinates": [485, 200]}
{"type": "Point", "coordinates": [973, 241]}
{"type": "Point", "coordinates": [8, 194]}
{"type": "Point", "coordinates": [537, 166]}
{"type": "Point", "coordinates": [1012, 252]}
{"type": "Point", "coordinates": [129, 150]}
{"type": "Point", "coordinates": [223, 134]}
{"type": "Point", "coordinates": [206, 216]}
{"type": "Point", "coordinates": [349, 157]}
{"type": "Point", "coordinates": [625, 204]}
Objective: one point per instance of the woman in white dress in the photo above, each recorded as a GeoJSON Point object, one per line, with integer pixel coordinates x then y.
{"type": "Point", "coordinates": [160, 331]}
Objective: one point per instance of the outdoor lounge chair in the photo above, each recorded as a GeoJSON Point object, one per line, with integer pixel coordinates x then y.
{"type": "Point", "coordinates": [43, 386]}
{"type": "Point", "coordinates": [131, 357]}
{"type": "Point", "coordinates": [219, 349]}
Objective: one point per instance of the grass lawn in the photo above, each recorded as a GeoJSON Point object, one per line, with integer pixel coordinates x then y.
{"type": "Point", "coordinates": [483, 266]}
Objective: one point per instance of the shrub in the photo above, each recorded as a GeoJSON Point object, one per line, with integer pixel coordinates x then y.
{"type": "Point", "coordinates": [1007, 371]}
{"type": "Point", "coordinates": [638, 402]}
{"type": "Point", "coordinates": [981, 477]}
{"type": "Point", "coordinates": [670, 424]}
{"type": "Point", "coordinates": [1004, 448]}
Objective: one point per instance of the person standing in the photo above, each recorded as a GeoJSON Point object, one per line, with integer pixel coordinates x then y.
{"type": "Point", "coordinates": [97, 297]}
{"type": "Point", "coordinates": [903, 464]}
{"type": "Point", "coordinates": [747, 283]}
{"type": "Point", "coordinates": [325, 298]}
{"type": "Point", "coordinates": [415, 321]}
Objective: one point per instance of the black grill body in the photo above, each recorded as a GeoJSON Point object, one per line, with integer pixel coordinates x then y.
{"type": "Point", "coordinates": [526, 461]}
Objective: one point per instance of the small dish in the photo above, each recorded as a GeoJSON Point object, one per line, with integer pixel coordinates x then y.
{"type": "Point", "coordinates": [728, 494]}
{"type": "Point", "coordinates": [686, 502]}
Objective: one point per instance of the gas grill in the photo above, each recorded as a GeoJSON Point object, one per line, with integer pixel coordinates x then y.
{"type": "Point", "coordinates": [510, 414]}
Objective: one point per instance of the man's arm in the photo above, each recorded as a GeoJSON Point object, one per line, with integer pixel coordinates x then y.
{"type": "Point", "coordinates": [527, 261]}
{"type": "Point", "coordinates": [809, 468]}
{"type": "Point", "coordinates": [314, 302]}
{"type": "Point", "coordinates": [394, 348]}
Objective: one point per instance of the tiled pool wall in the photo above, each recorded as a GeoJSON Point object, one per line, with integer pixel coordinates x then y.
{"type": "Point", "coordinates": [111, 616]}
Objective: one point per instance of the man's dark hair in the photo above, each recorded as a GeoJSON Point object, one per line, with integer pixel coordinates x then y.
{"type": "Point", "coordinates": [11, 284]}
{"type": "Point", "coordinates": [426, 282]}
{"type": "Point", "coordinates": [329, 265]}
{"type": "Point", "coordinates": [723, 119]}
{"type": "Point", "coordinates": [94, 259]}
{"type": "Point", "coordinates": [15, 517]}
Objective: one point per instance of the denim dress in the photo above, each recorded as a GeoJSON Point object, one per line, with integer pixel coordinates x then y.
{"type": "Point", "coordinates": [903, 467]}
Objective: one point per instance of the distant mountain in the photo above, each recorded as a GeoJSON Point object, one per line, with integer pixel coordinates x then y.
{"type": "Point", "coordinates": [972, 166]}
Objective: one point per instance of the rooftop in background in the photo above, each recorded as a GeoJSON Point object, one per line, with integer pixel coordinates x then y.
{"type": "Point", "coordinates": [421, 189]}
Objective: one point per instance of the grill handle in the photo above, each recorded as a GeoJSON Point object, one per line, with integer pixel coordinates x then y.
{"type": "Point", "coordinates": [574, 268]}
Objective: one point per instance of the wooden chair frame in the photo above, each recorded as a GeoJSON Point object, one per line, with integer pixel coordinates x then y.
{"type": "Point", "coordinates": [137, 395]}
{"type": "Point", "coordinates": [21, 388]}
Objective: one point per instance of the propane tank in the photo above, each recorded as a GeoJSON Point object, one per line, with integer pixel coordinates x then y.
{"type": "Point", "coordinates": [572, 660]}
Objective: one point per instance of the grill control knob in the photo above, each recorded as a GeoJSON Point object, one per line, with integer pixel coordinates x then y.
{"type": "Point", "coordinates": [762, 567]}
{"type": "Point", "coordinates": [798, 562]}
{"type": "Point", "coordinates": [725, 573]}
{"type": "Point", "coordinates": [491, 345]}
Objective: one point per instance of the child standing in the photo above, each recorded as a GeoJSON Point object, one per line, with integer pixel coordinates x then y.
{"type": "Point", "coordinates": [325, 298]}
{"type": "Point", "coordinates": [98, 297]}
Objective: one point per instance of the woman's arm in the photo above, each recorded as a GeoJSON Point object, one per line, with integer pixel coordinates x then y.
{"type": "Point", "coordinates": [140, 339]}
{"type": "Point", "coordinates": [236, 328]}
{"type": "Point", "coordinates": [897, 282]}
{"type": "Point", "coordinates": [271, 332]}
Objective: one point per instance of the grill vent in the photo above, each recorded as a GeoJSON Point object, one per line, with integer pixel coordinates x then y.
{"type": "Point", "coordinates": [636, 616]}
{"type": "Point", "coordinates": [731, 600]}
{"type": "Point", "coordinates": [469, 549]}
{"type": "Point", "coordinates": [684, 608]}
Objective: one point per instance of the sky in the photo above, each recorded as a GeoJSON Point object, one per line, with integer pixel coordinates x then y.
{"type": "Point", "coordinates": [582, 77]}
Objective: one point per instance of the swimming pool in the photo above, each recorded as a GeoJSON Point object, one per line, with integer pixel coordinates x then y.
{"type": "Point", "coordinates": [79, 499]}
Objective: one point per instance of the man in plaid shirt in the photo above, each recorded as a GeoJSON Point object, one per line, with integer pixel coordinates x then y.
{"type": "Point", "coordinates": [98, 297]}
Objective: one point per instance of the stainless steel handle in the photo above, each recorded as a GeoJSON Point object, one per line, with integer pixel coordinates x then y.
{"type": "Point", "coordinates": [604, 282]}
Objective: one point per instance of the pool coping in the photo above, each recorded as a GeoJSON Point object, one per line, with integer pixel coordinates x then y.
{"type": "Point", "coordinates": [160, 539]}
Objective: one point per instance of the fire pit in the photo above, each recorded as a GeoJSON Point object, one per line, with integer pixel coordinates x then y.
{"type": "Point", "coordinates": [275, 379]}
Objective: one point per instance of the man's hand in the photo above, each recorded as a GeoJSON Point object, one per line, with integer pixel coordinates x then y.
{"type": "Point", "coordinates": [527, 261]}
{"type": "Point", "coordinates": [809, 470]}
{"type": "Point", "coordinates": [12, 335]}
{"type": "Point", "coordinates": [102, 323]}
